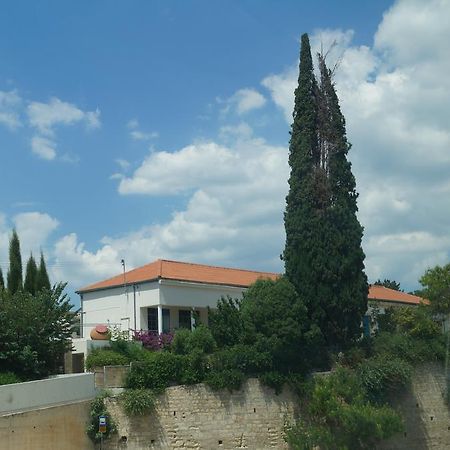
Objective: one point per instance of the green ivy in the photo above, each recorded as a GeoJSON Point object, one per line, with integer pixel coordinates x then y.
{"type": "Point", "coordinates": [137, 402]}
{"type": "Point", "coordinates": [97, 409]}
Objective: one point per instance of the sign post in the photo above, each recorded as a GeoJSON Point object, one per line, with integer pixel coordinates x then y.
{"type": "Point", "coordinates": [101, 428]}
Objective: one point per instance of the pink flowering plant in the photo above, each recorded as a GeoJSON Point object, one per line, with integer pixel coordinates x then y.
{"type": "Point", "coordinates": [151, 340]}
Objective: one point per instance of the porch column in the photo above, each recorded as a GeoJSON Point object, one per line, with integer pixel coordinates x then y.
{"type": "Point", "coordinates": [160, 320]}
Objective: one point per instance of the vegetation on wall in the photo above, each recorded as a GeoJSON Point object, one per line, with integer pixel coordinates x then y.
{"type": "Point", "coordinates": [97, 409]}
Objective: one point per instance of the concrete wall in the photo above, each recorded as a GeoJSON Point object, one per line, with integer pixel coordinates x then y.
{"type": "Point", "coordinates": [51, 391]}
{"type": "Point", "coordinates": [196, 417]}
{"type": "Point", "coordinates": [54, 428]}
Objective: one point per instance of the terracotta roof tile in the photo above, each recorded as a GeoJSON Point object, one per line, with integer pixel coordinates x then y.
{"type": "Point", "coordinates": [182, 271]}
{"type": "Point", "coordinates": [382, 293]}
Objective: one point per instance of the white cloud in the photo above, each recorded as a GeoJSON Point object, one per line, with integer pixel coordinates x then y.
{"type": "Point", "coordinates": [9, 109]}
{"type": "Point", "coordinates": [45, 116]}
{"type": "Point", "coordinates": [244, 101]}
{"type": "Point", "coordinates": [43, 147]}
{"type": "Point", "coordinates": [139, 135]}
{"type": "Point", "coordinates": [34, 229]}
{"type": "Point", "coordinates": [393, 95]}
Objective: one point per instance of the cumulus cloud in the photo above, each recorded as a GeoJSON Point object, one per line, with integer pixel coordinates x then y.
{"type": "Point", "coordinates": [10, 102]}
{"type": "Point", "coordinates": [244, 101]}
{"type": "Point", "coordinates": [394, 96]}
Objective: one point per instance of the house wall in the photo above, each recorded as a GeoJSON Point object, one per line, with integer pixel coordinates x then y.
{"type": "Point", "coordinates": [115, 306]}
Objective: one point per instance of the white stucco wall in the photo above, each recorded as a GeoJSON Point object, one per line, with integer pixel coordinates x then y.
{"type": "Point", "coordinates": [115, 306]}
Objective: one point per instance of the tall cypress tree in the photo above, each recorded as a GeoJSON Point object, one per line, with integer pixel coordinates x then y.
{"type": "Point", "coordinates": [14, 276]}
{"type": "Point", "coordinates": [348, 302]}
{"type": "Point", "coordinates": [43, 281]}
{"type": "Point", "coordinates": [31, 275]}
{"type": "Point", "coordinates": [2, 282]}
{"type": "Point", "coordinates": [323, 255]}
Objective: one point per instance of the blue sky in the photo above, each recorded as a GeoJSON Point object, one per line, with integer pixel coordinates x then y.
{"type": "Point", "coordinates": [141, 130]}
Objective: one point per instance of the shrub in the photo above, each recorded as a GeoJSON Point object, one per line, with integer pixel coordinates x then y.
{"type": "Point", "coordinates": [275, 380]}
{"type": "Point", "coordinates": [137, 402]}
{"type": "Point", "coordinates": [157, 371]}
{"type": "Point", "coordinates": [383, 375]}
{"type": "Point", "coordinates": [244, 358]}
{"type": "Point", "coordinates": [337, 415]}
{"type": "Point", "coordinates": [194, 368]}
{"type": "Point", "coordinates": [97, 409]}
{"type": "Point", "coordinates": [230, 379]}
{"type": "Point", "coordinates": [201, 339]}
{"type": "Point", "coordinates": [180, 341]}
{"type": "Point", "coordinates": [105, 357]}
{"type": "Point", "coordinates": [151, 340]}
{"type": "Point", "coordinates": [225, 322]}
{"type": "Point", "coordinates": [9, 378]}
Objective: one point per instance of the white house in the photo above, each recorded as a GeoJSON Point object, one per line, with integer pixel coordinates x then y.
{"type": "Point", "coordinates": [165, 295]}
{"type": "Point", "coordinates": [161, 296]}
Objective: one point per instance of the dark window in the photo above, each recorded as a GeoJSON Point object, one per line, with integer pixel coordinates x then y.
{"type": "Point", "coordinates": [184, 318]}
{"type": "Point", "coordinates": [152, 317]}
{"type": "Point", "coordinates": [166, 320]}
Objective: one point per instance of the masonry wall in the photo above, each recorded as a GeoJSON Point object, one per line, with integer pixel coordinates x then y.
{"type": "Point", "coordinates": [53, 428]}
{"type": "Point", "coordinates": [198, 418]}
{"type": "Point", "coordinates": [427, 417]}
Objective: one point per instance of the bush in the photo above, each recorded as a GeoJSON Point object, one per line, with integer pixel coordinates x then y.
{"type": "Point", "coordinates": [225, 322]}
{"type": "Point", "coordinates": [230, 379]}
{"type": "Point", "coordinates": [100, 357]}
{"type": "Point", "coordinates": [194, 368]}
{"type": "Point", "coordinates": [151, 340]}
{"type": "Point", "coordinates": [382, 375]}
{"type": "Point", "coordinates": [201, 339]}
{"type": "Point", "coordinates": [137, 402]}
{"type": "Point", "coordinates": [157, 371]}
{"type": "Point", "coordinates": [97, 409]}
{"type": "Point", "coordinates": [244, 358]}
{"type": "Point", "coordinates": [338, 415]}
{"type": "Point", "coordinates": [275, 380]}
{"type": "Point", "coordinates": [9, 378]}
{"type": "Point", "coordinates": [180, 341]}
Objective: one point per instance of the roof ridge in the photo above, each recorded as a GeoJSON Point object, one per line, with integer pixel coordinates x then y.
{"type": "Point", "coordinates": [216, 267]}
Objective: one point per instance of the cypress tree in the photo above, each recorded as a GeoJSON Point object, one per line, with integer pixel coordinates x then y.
{"type": "Point", "coordinates": [348, 302]}
{"type": "Point", "coordinates": [31, 274]}
{"type": "Point", "coordinates": [323, 255]}
{"type": "Point", "coordinates": [43, 281]}
{"type": "Point", "coordinates": [2, 282]}
{"type": "Point", "coordinates": [14, 276]}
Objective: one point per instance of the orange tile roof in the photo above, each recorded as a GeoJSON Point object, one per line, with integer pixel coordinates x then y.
{"type": "Point", "coordinates": [390, 295]}
{"type": "Point", "coordinates": [182, 271]}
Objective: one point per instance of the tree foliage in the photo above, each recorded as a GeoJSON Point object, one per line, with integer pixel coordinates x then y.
{"type": "Point", "coordinates": [225, 322]}
{"type": "Point", "coordinates": [43, 281]}
{"type": "Point", "coordinates": [14, 276]}
{"type": "Point", "coordinates": [323, 255]}
{"type": "Point", "coordinates": [390, 284]}
{"type": "Point", "coordinates": [31, 273]}
{"type": "Point", "coordinates": [35, 331]}
{"type": "Point", "coordinates": [436, 283]}
{"type": "Point", "coordinates": [2, 281]}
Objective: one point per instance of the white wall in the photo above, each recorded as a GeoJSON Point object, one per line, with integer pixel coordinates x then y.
{"type": "Point", "coordinates": [48, 392]}
{"type": "Point", "coordinates": [112, 306]}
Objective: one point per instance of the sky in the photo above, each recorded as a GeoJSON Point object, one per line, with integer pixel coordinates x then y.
{"type": "Point", "coordinates": [160, 129]}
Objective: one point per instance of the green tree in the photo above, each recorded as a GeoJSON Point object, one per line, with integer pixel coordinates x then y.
{"type": "Point", "coordinates": [2, 282]}
{"type": "Point", "coordinates": [31, 273]}
{"type": "Point", "coordinates": [14, 276]}
{"type": "Point", "coordinates": [275, 320]}
{"type": "Point", "coordinates": [225, 322]}
{"type": "Point", "coordinates": [436, 288]}
{"type": "Point", "coordinates": [35, 331]}
{"type": "Point", "coordinates": [42, 281]}
{"type": "Point", "coordinates": [390, 284]}
{"type": "Point", "coordinates": [323, 255]}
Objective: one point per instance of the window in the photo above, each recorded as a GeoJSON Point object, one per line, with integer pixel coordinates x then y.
{"type": "Point", "coordinates": [184, 318]}
{"type": "Point", "coordinates": [152, 319]}
{"type": "Point", "coordinates": [165, 320]}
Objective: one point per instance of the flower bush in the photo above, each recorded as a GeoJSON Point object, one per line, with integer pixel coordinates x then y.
{"type": "Point", "coordinates": [151, 340]}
